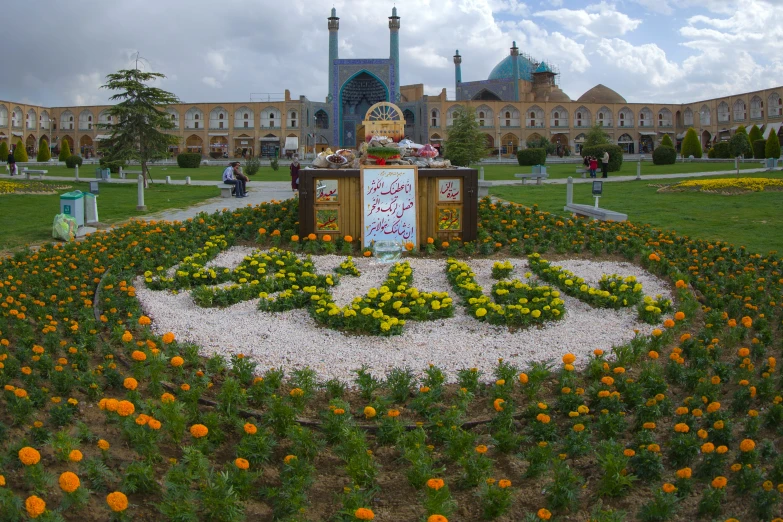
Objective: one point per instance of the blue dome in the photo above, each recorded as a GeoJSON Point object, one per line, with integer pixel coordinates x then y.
{"type": "Point", "coordinates": [543, 67]}
{"type": "Point", "coordinates": [502, 70]}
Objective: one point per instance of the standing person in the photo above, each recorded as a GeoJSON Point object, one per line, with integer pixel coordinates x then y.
{"type": "Point", "coordinates": [295, 175]}
{"type": "Point", "coordinates": [12, 163]}
{"type": "Point", "coordinates": [605, 165]}
{"type": "Point", "coordinates": [593, 166]}
{"type": "Point", "coordinates": [230, 179]}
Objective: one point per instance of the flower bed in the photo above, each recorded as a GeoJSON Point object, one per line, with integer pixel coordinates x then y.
{"type": "Point", "coordinates": [107, 415]}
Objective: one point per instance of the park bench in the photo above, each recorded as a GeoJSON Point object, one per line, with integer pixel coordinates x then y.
{"type": "Point", "coordinates": [532, 175]}
{"type": "Point", "coordinates": [125, 173]}
{"type": "Point", "coordinates": [40, 173]}
{"type": "Point", "coordinates": [600, 214]}
{"type": "Point", "coordinates": [583, 171]}
{"type": "Point", "coordinates": [225, 190]}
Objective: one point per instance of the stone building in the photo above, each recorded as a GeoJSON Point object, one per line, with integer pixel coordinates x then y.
{"type": "Point", "coordinates": [520, 101]}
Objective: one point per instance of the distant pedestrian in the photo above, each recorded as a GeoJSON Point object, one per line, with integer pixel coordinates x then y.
{"type": "Point", "coordinates": [12, 163]}
{"type": "Point", "coordinates": [593, 166]}
{"type": "Point", "coordinates": [605, 165]}
{"type": "Point", "coordinates": [295, 175]}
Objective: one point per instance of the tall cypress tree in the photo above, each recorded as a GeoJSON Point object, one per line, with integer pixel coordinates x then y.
{"type": "Point", "coordinates": [690, 144]}
{"type": "Point", "coordinates": [44, 154]}
{"type": "Point", "coordinates": [3, 150]}
{"type": "Point", "coordinates": [20, 153]}
{"type": "Point", "coordinates": [772, 149]}
{"type": "Point", "coordinates": [65, 151]}
{"type": "Point", "coordinates": [755, 135]}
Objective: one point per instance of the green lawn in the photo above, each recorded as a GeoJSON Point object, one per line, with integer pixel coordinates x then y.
{"type": "Point", "coordinates": [159, 173]}
{"type": "Point", "coordinates": [27, 219]}
{"type": "Point", "coordinates": [559, 170]}
{"type": "Point", "coordinates": [753, 220]}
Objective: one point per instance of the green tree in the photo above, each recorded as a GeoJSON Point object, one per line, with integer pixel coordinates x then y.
{"type": "Point", "coordinates": [742, 130]}
{"type": "Point", "coordinates": [20, 154]}
{"type": "Point", "coordinates": [754, 135]}
{"type": "Point", "coordinates": [140, 118]}
{"type": "Point", "coordinates": [3, 151]}
{"type": "Point", "coordinates": [65, 151]}
{"type": "Point", "coordinates": [465, 143]}
{"type": "Point", "coordinates": [44, 154]}
{"type": "Point", "coordinates": [772, 150]}
{"type": "Point", "coordinates": [690, 144]}
{"type": "Point", "coordinates": [739, 144]}
{"type": "Point", "coordinates": [596, 136]}
{"type": "Point", "coordinates": [666, 141]}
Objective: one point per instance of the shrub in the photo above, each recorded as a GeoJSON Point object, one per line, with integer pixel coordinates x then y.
{"type": "Point", "coordinates": [742, 130]}
{"type": "Point", "coordinates": [215, 155]}
{"type": "Point", "coordinates": [760, 148]}
{"type": "Point", "coordinates": [65, 151]}
{"type": "Point", "coordinates": [20, 154]}
{"type": "Point", "coordinates": [274, 164]}
{"type": "Point", "coordinates": [113, 166]}
{"type": "Point", "coordinates": [722, 150]}
{"type": "Point", "coordinates": [666, 141]}
{"type": "Point", "coordinates": [252, 166]}
{"type": "Point", "coordinates": [772, 149]}
{"type": "Point", "coordinates": [531, 156]}
{"type": "Point", "coordinates": [3, 151]}
{"type": "Point", "coordinates": [73, 160]}
{"type": "Point", "coordinates": [739, 145]}
{"type": "Point", "coordinates": [615, 155]}
{"type": "Point", "coordinates": [44, 154]}
{"type": "Point", "coordinates": [755, 135]}
{"type": "Point", "coordinates": [663, 155]}
{"type": "Point", "coordinates": [189, 160]}
{"type": "Point", "coordinates": [690, 145]}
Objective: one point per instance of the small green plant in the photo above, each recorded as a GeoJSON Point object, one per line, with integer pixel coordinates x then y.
{"type": "Point", "coordinates": [615, 481]}
{"type": "Point", "coordinates": [400, 381]}
{"type": "Point", "coordinates": [366, 382]}
{"type": "Point", "coordinates": [713, 497]}
{"type": "Point", "coordinates": [252, 166]}
{"type": "Point", "coordinates": [562, 493]}
{"type": "Point", "coordinates": [662, 507]}
{"type": "Point", "coordinates": [495, 498]}
{"type": "Point", "coordinates": [274, 164]}
{"type": "Point", "coordinates": [44, 153]}
{"type": "Point", "coordinates": [437, 498]}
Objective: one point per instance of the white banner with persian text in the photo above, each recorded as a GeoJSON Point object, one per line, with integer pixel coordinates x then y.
{"type": "Point", "coordinates": [389, 207]}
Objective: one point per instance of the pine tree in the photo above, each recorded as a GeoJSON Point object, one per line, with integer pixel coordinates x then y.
{"type": "Point", "coordinates": [755, 135]}
{"type": "Point", "coordinates": [772, 150]}
{"type": "Point", "coordinates": [690, 145]}
{"type": "Point", "coordinates": [20, 153]}
{"type": "Point", "coordinates": [3, 151]}
{"type": "Point", "coordinates": [666, 141]}
{"type": "Point", "coordinates": [44, 154]}
{"type": "Point", "coordinates": [140, 119]}
{"type": "Point", "coordinates": [65, 151]}
{"type": "Point", "coordinates": [465, 143]}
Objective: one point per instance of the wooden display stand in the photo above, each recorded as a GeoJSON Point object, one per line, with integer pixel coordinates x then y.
{"type": "Point", "coordinates": [330, 202]}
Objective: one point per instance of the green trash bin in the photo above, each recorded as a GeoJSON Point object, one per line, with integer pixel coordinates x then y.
{"type": "Point", "coordinates": [72, 204]}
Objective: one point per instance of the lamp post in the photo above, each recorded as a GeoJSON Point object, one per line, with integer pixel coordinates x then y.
{"type": "Point", "coordinates": [500, 143]}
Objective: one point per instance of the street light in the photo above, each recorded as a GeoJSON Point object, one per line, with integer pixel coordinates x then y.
{"type": "Point", "coordinates": [500, 143]}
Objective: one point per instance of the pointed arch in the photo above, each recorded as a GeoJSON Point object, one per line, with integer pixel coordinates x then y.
{"type": "Point", "coordinates": [321, 119]}
{"type": "Point", "coordinates": [485, 116]}
{"type": "Point", "coordinates": [271, 118]}
{"type": "Point", "coordinates": [723, 112]}
{"type": "Point", "coordinates": [194, 118]}
{"type": "Point", "coordinates": [582, 117]}
{"type": "Point", "coordinates": [218, 118]}
{"type": "Point", "coordinates": [664, 117]}
{"type": "Point", "coordinates": [604, 116]}
{"type": "Point", "coordinates": [558, 117]}
{"type": "Point", "coordinates": [70, 142]}
{"type": "Point", "coordinates": [705, 115]}
{"type": "Point", "coordinates": [486, 95]}
{"type": "Point", "coordinates": [293, 118]}
{"type": "Point", "coordinates": [625, 118]}
{"type": "Point", "coordinates": [85, 120]}
{"type": "Point", "coordinates": [450, 114]}
{"type": "Point", "coordinates": [645, 117]}
{"type": "Point", "coordinates": [740, 110]}
{"type": "Point", "coordinates": [244, 118]}
{"type": "Point", "coordinates": [534, 117]}
{"type": "Point", "coordinates": [30, 119]}
{"type": "Point", "coordinates": [509, 143]}
{"type": "Point", "coordinates": [66, 121]}
{"type": "Point", "coordinates": [194, 143]}
{"type": "Point", "coordinates": [16, 117]}
{"type": "Point", "coordinates": [490, 140]}
{"type": "Point", "coordinates": [774, 105]}
{"type": "Point", "coordinates": [687, 116]}
{"type": "Point", "coordinates": [434, 117]}
{"type": "Point", "coordinates": [756, 108]}
{"type": "Point", "coordinates": [509, 116]}
{"type": "Point", "coordinates": [173, 116]}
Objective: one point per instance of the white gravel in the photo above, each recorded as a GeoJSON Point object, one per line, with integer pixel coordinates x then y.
{"type": "Point", "coordinates": [294, 340]}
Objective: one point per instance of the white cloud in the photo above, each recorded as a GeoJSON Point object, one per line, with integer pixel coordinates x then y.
{"type": "Point", "coordinates": [211, 81]}
{"type": "Point", "coordinates": [595, 20]}
{"type": "Point", "coordinates": [218, 63]}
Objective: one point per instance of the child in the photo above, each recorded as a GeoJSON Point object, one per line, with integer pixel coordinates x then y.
{"type": "Point", "coordinates": [593, 166]}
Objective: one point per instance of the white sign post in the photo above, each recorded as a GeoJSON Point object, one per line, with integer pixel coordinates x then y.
{"type": "Point", "coordinates": [389, 206]}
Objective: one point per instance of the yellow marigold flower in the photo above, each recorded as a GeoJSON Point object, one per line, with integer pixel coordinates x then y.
{"type": "Point", "coordinates": [117, 501]}
{"type": "Point", "coordinates": [69, 482]}
{"type": "Point", "coordinates": [767, 485]}
{"type": "Point", "coordinates": [35, 506]}
{"type": "Point", "coordinates": [369, 412]}
{"type": "Point", "coordinates": [75, 456]}
{"type": "Point", "coordinates": [29, 456]}
{"type": "Point", "coordinates": [568, 367]}
{"type": "Point", "coordinates": [435, 483]}
{"type": "Point", "coordinates": [582, 409]}
{"type": "Point", "coordinates": [364, 514]}
{"type": "Point", "coordinates": [242, 463]}
{"type": "Point", "coordinates": [198, 431]}
{"type": "Point", "coordinates": [578, 427]}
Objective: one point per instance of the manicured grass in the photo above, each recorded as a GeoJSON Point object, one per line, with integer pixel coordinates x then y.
{"type": "Point", "coordinates": [753, 220]}
{"type": "Point", "coordinates": [560, 170]}
{"type": "Point", "coordinates": [27, 219]}
{"type": "Point", "coordinates": [159, 173]}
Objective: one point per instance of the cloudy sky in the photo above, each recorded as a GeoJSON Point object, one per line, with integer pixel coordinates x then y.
{"type": "Point", "coordinates": [222, 51]}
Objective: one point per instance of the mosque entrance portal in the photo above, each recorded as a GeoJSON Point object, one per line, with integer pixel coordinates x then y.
{"type": "Point", "coordinates": [357, 95]}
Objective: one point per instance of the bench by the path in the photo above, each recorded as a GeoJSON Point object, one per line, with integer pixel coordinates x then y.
{"type": "Point", "coordinates": [538, 176]}
{"type": "Point", "coordinates": [28, 172]}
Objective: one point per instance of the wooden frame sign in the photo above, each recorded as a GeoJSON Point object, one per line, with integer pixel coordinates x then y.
{"type": "Point", "coordinates": [389, 204]}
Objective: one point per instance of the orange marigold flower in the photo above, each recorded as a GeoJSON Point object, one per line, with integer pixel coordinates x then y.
{"type": "Point", "coordinates": [35, 506]}
{"type": "Point", "coordinates": [167, 397]}
{"type": "Point", "coordinates": [713, 407]}
{"type": "Point", "coordinates": [393, 413]}
{"type": "Point", "coordinates": [198, 431]}
{"type": "Point", "coordinates": [139, 356]}
{"type": "Point", "coordinates": [127, 336]}
{"type": "Point", "coordinates": [154, 424]}
{"type": "Point", "coordinates": [369, 412]}
{"type": "Point", "coordinates": [130, 383]}
{"type": "Point", "coordinates": [719, 482]}
{"type": "Point", "coordinates": [720, 450]}
{"type": "Point", "coordinates": [569, 358]}
{"type": "Point", "coordinates": [437, 518]}
{"type": "Point", "coordinates": [707, 447]}
{"type": "Point", "coordinates": [543, 418]}
{"type": "Point", "coordinates": [523, 378]}
{"type": "Point", "coordinates": [117, 501]}
{"type": "Point", "coordinates": [125, 408]}
{"type": "Point", "coordinates": [743, 352]}
{"type": "Point", "coordinates": [607, 380]}
{"type": "Point", "coordinates": [718, 425]}
{"type": "Point", "coordinates": [2, 481]}
{"type": "Point", "coordinates": [668, 488]}
{"type": "Point", "coordinates": [75, 456]}
{"type": "Point", "coordinates": [103, 444]}
{"type": "Point", "coordinates": [648, 425]}
{"type": "Point", "coordinates": [652, 354]}
{"type": "Point", "coordinates": [69, 482]}
{"type": "Point", "coordinates": [144, 320]}
{"type": "Point", "coordinates": [498, 404]}
{"type": "Point", "coordinates": [242, 463]}
{"type": "Point", "coordinates": [348, 239]}
{"type": "Point", "coordinates": [682, 428]}
{"type": "Point", "coordinates": [481, 449]}
{"type": "Point", "coordinates": [29, 456]}
{"type": "Point", "coordinates": [177, 361]}
{"type": "Point", "coordinates": [168, 338]}
{"type": "Point", "coordinates": [578, 427]}
{"type": "Point", "coordinates": [364, 514]}
{"type": "Point", "coordinates": [684, 473]}
{"type": "Point", "coordinates": [747, 445]}
{"type": "Point", "coordinates": [504, 483]}
{"type": "Point", "coordinates": [289, 458]}
{"type": "Point", "coordinates": [142, 419]}
{"type": "Point", "coordinates": [112, 404]}
{"type": "Point", "coordinates": [679, 316]}
{"type": "Point", "coordinates": [250, 429]}
{"type": "Point", "coordinates": [657, 332]}
{"type": "Point", "coordinates": [544, 514]}
{"type": "Point", "coordinates": [435, 483]}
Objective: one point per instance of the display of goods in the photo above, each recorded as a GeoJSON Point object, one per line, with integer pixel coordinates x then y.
{"type": "Point", "coordinates": [428, 151]}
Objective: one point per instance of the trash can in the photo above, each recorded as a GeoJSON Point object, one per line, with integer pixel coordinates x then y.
{"type": "Point", "coordinates": [102, 173]}
{"type": "Point", "coordinates": [72, 204]}
{"type": "Point", "coordinates": [536, 169]}
{"type": "Point", "coordinates": [542, 169]}
{"type": "Point", "coordinates": [94, 187]}
{"type": "Point", "coordinates": [90, 208]}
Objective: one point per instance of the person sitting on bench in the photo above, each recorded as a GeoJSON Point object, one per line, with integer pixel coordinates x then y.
{"type": "Point", "coordinates": [229, 178]}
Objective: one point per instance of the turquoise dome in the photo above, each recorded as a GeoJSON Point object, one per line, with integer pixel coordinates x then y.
{"type": "Point", "coordinates": [502, 70]}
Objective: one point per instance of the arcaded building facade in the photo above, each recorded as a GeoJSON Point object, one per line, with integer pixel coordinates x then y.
{"type": "Point", "coordinates": [520, 101]}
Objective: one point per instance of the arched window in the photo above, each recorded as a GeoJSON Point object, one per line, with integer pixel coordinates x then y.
{"type": "Point", "coordinates": [535, 117]}
{"type": "Point", "coordinates": [434, 118]}
{"type": "Point", "coordinates": [321, 119]}
{"type": "Point", "coordinates": [756, 108]}
{"type": "Point", "coordinates": [705, 115]}
{"type": "Point", "coordinates": [645, 118]}
{"type": "Point", "coordinates": [739, 110]}
{"type": "Point", "coordinates": [193, 117]}
{"type": "Point", "coordinates": [688, 117]}
{"type": "Point", "coordinates": [774, 105]}
{"type": "Point", "coordinates": [723, 112]}
{"type": "Point", "coordinates": [559, 117]}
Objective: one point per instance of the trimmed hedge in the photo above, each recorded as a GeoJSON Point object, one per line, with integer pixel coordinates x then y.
{"type": "Point", "coordinates": [755, 134]}
{"type": "Point", "coordinates": [189, 160]}
{"type": "Point", "coordinates": [527, 157]}
{"type": "Point", "coordinates": [44, 154]}
{"type": "Point", "coordinates": [65, 151]}
{"type": "Point", "coordinates": [759, 148]}
{"type": "Point", "coordinates": [615, 155]}
{"type": "Point", "coordinates": [3, 151]}
{"type": "Point", "coordinates": [690, 145]}
{"type": "Point", "coordinates": [73, 160]}
{"type": "Point", "coordinates": [20, 153]}
{"type": "Point", "coordinates": [663, 155]}
{"type": "Point", "coordinates": [666, 141]}
{"type": "Point", "coordinates": [720, 150]}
